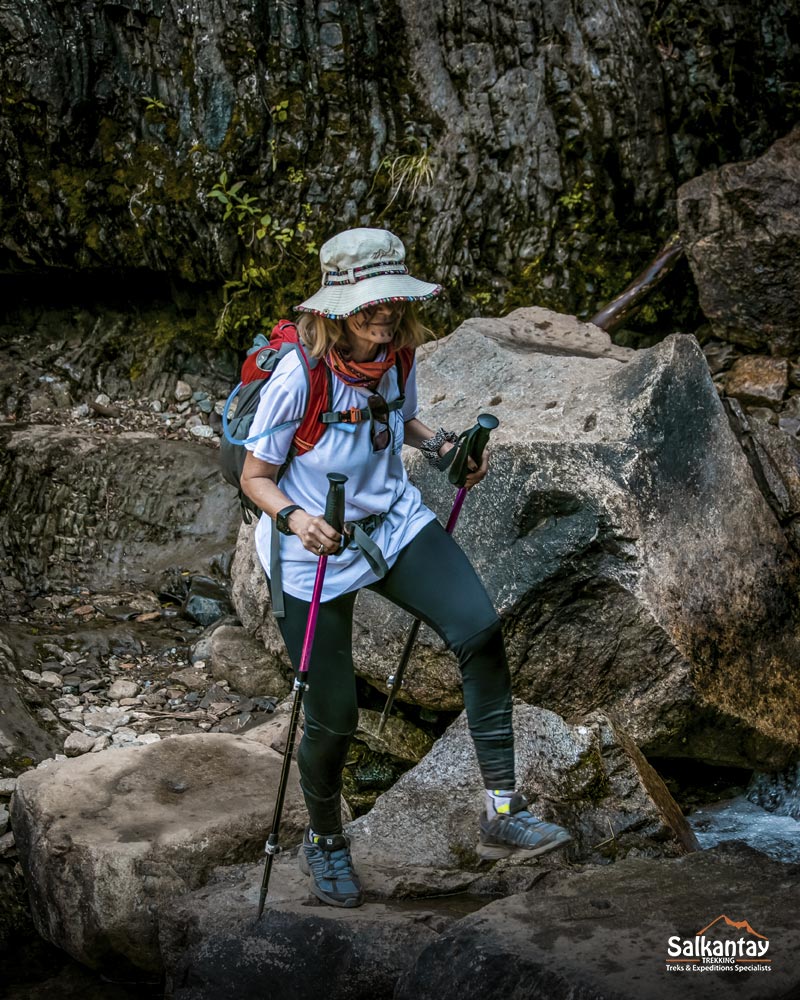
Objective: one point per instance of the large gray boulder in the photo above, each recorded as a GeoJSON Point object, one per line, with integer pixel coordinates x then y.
{"type": "Point", "coordinates": [740, 226]}
{"type": "Point", "coordinates": [622, 537]}
{"type": "Point", "coordinates": [107, 838]}
{"type": "Point", "coordinates": [586, 776]}
{"type": "Point", "coordinates": [110, 511]}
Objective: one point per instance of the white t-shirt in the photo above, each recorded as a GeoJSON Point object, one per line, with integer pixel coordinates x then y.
{"type": "Point", "coordinates": [377, 481]}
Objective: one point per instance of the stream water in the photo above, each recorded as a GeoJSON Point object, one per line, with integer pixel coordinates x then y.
{"type": "Point", "coordinates": [739, 819]}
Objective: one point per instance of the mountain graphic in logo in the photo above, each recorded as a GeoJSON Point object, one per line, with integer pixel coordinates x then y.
{"type": "Point", "coordinates": [739, 925]}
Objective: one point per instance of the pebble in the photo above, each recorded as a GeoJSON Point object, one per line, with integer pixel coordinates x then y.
{"type": "Point", "coordinates": [205, 406]}
{"type": "Point", "coordinates": [71, 715]}
{"type": "Point", "coordinates": [102, 399]}
{"type": "Point", "coordinates": [6, 843]}
{"type": "Point", "coordinates": [49, 678]}
{"type": "Point", "coordinates": [123, 689]}
{"type": "Point", "coordinates": [790, 425]}
{"type": "Point", "coordinates": [106, 718]}
{"type": "Point", "coordinates": [758, 380]}
{"type": "Point", "coordinates": [78, 743]}
{"type": "Point", "coordinates": [156, 406]}
{"type": "Point", "coordinates": [66, 701]}
{"type": "Point", "coordinates": [7, 786]}
{"type": "Point", "coordinates": [183, 391]}
{"type": "Point", "coordinates": [109, 712]}
{"type": "Point", "coordinates": [202, 430]}
{"type": "Point", "coordinates": [191, 677]}
{"type": "Point", "coordinates": [219, 406]}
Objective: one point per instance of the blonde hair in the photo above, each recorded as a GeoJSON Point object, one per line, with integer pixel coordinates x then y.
{"type": "Point", "coordinates": [320, 334]}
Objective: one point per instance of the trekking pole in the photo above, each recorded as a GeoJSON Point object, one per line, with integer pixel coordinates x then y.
{"type": "Point", "coordinates": [471, 446]}
{"type": "Point", "coordinates": [334, 515]}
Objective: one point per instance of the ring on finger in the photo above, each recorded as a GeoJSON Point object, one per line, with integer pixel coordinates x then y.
{"type": "Point", "coordinates": [321, 548]}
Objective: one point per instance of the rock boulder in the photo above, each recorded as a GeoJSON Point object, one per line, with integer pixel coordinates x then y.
{"type": "Point", "coordinates": [740, 226]}
{"type": "Point", "coordinates": [588, 777]}
{"type": "Point", "coordinates": [239, 658]}
{"type": "Point", "coordinates": [106, 838]}
{"type": "Point", "coordinates": [102, 512]}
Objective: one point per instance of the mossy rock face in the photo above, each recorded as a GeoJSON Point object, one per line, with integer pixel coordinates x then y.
{"type": "Point", "coordinates": [525, 156]}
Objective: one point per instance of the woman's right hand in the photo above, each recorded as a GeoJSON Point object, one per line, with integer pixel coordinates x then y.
{"type": "Point", "coordinates": [315, 533]}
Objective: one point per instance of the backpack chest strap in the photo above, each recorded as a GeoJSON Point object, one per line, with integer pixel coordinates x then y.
{"type": "Point", "coordinates": [354, 415]}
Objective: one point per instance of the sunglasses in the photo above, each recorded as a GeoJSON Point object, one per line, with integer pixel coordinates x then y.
{"type": "Point", "coordinates": [379, 419]}
{"type": "Point", "coordinates": [396, 309]}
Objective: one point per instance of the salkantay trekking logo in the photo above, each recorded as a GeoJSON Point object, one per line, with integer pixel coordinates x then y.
{"type": "Point", "coordinates": [723, 950]}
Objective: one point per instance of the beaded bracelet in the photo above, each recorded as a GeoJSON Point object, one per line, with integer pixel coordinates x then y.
{"type": "Point", "coordinates": [430, 448]}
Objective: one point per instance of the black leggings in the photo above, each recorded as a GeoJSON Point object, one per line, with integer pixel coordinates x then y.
{"type": "Point", "coordinates": [433, 579]}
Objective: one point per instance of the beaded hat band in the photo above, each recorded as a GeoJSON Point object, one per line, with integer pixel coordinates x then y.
{"type": "Point", "coordinates": [354, 274]}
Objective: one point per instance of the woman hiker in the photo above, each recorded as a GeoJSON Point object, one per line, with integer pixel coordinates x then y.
{"type": "Point", "coordinates": [361, 324]}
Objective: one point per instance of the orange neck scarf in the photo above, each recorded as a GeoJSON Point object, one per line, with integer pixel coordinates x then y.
{"type": "Point", "coordinates": [364, 374]}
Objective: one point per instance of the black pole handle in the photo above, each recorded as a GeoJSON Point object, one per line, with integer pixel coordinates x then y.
{"type": "Point", "coordinates": [487, 422]}
{"type": "Point", "coordinates": [471, 446]}
{"type": "Point", "coordinates": [334, 503]}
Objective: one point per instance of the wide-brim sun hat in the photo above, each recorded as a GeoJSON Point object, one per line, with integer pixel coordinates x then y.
{"type": "Point", "coordinates": [363, 267]}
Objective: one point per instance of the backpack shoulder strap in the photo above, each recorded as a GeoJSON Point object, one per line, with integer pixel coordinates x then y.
{"type": "Point", "coordinates": [404, 362]}
{"type": "Point", "coordinates": [320, 398]}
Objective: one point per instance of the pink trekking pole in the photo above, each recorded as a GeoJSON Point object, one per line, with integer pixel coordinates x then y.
{"type": "Point", "coordinates": [470, 447]}
{"type": "Point", "coordinates": [334, 515]}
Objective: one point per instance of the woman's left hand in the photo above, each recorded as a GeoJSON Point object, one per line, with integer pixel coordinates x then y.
{"type": "Point", "coordinates": [477, 472]}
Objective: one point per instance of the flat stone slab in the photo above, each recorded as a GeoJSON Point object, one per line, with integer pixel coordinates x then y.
{"type": "Point", "coordinates": [214, 947]}
{"type": "Point", "coordinates": [534, 330]}
{"type": "Point", "coordinates": [106, 838]}
{"type": "Point", "coordinates": [605, 934]}
{"type": "Point", "coordinates": [600, 933]}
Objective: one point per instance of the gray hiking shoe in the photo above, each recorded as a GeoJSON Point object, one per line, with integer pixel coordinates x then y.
{"type": "Point", "coordinates": [518, 832]}
{"type": "Point", "coordinates": [327, 860]}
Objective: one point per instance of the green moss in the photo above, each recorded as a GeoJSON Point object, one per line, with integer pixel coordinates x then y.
{"type": "Point", "coordinates": [588, 782]}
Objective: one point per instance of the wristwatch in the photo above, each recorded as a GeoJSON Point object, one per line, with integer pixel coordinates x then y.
{"type": "Point", "coordinates": [282, 518]}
